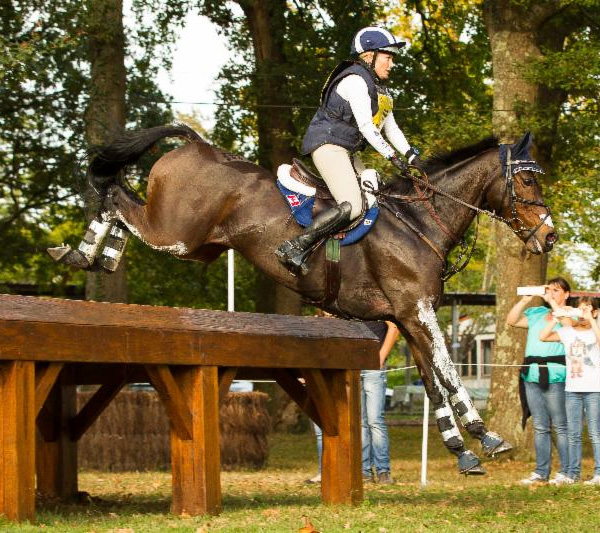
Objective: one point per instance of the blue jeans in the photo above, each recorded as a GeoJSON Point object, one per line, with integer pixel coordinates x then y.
{"type": "Point", "coordinates": [577, 403]}
{"type": "Point", "coordinates": [375, 441]}
{"type": "Point", "coordinates": [319, 434]}
{"type": "Point", "coordinates": [548, 410]}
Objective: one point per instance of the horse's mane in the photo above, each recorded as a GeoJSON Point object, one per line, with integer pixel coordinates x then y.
{"type": "Point", "coordinates": [440, 161]}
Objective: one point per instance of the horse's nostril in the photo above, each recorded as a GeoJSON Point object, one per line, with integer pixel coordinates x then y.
{"type": "Point", "coordinates": [551, 238]}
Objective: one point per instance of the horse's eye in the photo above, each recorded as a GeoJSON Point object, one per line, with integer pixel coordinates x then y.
{"type": "Point", "coordinates": [528, 182]}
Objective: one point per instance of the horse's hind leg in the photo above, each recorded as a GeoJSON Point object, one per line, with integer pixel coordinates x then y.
{"type": "Point", "coordinates": [492, 444]}
{"type": "Point", "coordinates": [114, 247]}
{"type": "Point", "coordinates": [86, 252]}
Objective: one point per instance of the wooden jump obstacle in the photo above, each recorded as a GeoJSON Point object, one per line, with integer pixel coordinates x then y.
{"type": "Point", "coordinates": [49, 346]}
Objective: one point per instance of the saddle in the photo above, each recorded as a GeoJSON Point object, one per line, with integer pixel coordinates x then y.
{"type": "Point", "coordinates": [301, 188]}
{"type": "Point", "coordinates": [302, 174]}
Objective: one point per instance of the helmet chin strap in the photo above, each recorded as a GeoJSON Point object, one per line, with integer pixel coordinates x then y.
{"type": "Point", "coordinates": [375, 52]}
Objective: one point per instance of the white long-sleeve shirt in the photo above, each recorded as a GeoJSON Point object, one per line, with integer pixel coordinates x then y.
{"type": "Point", "coordinates": [354, 90]}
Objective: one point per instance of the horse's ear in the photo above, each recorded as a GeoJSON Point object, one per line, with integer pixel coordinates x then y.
{"type": "Point", "coordinates": [524, 144]}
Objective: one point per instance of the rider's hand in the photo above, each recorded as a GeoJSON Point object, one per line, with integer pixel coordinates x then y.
{"type": "Point", "coordinates": [417, 163]}
{"type": "Point", "coordinates": [399, 164]}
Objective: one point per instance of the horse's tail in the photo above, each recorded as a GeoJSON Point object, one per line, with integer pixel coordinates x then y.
{"type": "Point", "coordinates": [127, 148]}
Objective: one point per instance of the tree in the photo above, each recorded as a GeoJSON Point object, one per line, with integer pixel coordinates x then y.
{"type": "Point", "coordinates": [520, 34]}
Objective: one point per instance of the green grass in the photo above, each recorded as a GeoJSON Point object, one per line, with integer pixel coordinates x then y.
{"type": "Point", "coordinates": [276, 499]}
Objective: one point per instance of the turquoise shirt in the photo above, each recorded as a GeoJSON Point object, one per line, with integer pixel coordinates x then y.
{"type": "Point", "coordinates": [536, 320]}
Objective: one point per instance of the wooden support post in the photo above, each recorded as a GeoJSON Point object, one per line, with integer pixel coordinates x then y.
{"type": "Point", "coordinates": [226, 377]}
{"type": "Point", "coordinates": [17, 440]}
{"type": "Point", "coordinates": [196, 462]}
{"type": "Point", "coordinates": [56, 451]}
{"type": "Point", "coordinates": [341, 476]}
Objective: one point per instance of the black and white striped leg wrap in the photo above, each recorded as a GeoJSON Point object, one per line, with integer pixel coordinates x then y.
{"type": "Point", "coordinates": [464, 408]}
{"type": "Point", "coordinates": [114, 248]}
{"type": "Point", "coordinates": [93, 238]}
{"type": "Point", "coordinates": [448, 429]}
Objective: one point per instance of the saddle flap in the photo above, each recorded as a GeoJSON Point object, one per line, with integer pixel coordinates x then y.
{"type": "Point", "coordinates": [304, 175]}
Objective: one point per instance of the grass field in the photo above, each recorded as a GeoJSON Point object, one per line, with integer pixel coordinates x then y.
{"type": "Point", "coordinates": [277, 500]}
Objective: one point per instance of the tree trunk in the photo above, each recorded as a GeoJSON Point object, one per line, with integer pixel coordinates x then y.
{"type": "Point", "coordinates": [266, 20]}
{"type": "Point", "coordinates": [514, 33]}
{"type": "Point", "coordinates": [105, 115]}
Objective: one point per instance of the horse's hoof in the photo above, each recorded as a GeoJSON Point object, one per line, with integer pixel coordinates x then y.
{"type": "Point", "coordinates": [493, 444]}
{"type": "Point", "coordinates": [469, 464]}
{"type": "Point", "coordinates": [67, 256]}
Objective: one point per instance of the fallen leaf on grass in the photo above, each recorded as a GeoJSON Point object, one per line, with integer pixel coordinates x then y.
{"type": "Point", "coordinates": [308, 527]}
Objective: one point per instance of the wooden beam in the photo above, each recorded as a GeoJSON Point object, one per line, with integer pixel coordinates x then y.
{"type": "Point", "coordinates": [95, 406]}
{"type": "Point", "coordinates": [320, 392]}
{"type": "Point", "coordinates": [170, 394]}
{"type": "Point", "coordinates": [341, 473]}
{"type": "Point", "coordinates": [226, 376]}
{"type": "Point", "coordinates": [45, 378]}
{"type": "Point", "coordinates": [56, 452]}
{"type": "Point", "coordinates": [297, 392]}
{"type": "Point", "coordinates": [196, 462]}
{"type": "Point", "coordinates": [17, 440]}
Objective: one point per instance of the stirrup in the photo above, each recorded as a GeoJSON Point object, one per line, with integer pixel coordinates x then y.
{"type": "Point", "coordinates": [293, 257]}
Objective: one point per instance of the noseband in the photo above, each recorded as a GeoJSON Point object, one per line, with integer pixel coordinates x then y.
{"type": "Point", "coordinates": [515, 223]}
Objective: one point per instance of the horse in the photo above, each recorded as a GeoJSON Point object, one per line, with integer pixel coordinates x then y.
{"type": "Point", "coordinates": [202, 200]}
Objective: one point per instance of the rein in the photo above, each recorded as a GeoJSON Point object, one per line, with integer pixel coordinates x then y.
{"type": "Point", "coordinates": [426, 194]}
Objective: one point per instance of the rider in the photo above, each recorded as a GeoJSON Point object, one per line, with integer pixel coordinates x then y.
{"type": "Point", "coordinates": [355, 107]}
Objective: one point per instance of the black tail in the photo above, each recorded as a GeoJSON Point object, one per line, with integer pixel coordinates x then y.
{"type": "Point", "coordinates": [127, 148]}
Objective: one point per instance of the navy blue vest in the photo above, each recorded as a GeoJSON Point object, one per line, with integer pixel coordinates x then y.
{"type": "Point", "coordinates": [334, 123]}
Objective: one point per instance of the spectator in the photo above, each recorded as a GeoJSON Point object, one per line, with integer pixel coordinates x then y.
{"type": "Point", "coordinates": [375, 440]}
{"type": "Point", "coordinates": [542, 381]}
{"type": "Point", "coordinates": [582, 384]}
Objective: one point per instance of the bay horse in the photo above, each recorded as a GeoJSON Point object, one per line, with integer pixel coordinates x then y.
{"type": "Point", "coordinates": [202, 200]}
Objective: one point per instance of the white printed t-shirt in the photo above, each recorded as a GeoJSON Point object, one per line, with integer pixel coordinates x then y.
{"type": "Point", "coordinates": [583, 359]}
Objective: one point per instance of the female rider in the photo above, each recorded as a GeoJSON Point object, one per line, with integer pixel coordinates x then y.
{"type": "Point", "coordinates": [355, 107]}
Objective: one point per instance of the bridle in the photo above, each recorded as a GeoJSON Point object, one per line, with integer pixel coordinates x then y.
{"type": "Point", "coordinates": [515, 199]}
{"type": "Point", "coordinates": [516, 225]}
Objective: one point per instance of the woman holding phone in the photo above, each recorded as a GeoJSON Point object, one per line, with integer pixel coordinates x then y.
{"type": "Point", "coordinates": [542, 380]}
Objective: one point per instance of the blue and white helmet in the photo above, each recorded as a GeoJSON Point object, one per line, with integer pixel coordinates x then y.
{"type": "Point", "coordinates": [375, 38]}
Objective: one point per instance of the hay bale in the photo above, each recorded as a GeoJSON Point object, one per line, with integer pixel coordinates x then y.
{"type": "Point", "coordinates": [132, 434]}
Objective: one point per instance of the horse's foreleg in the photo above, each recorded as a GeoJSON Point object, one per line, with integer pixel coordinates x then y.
{"type": "Point", "coordinates": [460, 400]}
{"type": "Point", "coordinates": [468, 462]}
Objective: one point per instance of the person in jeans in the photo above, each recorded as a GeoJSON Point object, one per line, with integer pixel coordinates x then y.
{"type": "Point", "coordinates": [375, 440]}
{"type": "Point", "coordinates": [581, 341]}
{"type": "Point", "coordinates": [542, 381]}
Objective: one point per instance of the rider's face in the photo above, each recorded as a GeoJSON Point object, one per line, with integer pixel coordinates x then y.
{"type": "Point", "coordinates": [383, 65]}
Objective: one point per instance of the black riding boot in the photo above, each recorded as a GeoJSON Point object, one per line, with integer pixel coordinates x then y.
{"type": "Point", "coordinates": [293, 253]}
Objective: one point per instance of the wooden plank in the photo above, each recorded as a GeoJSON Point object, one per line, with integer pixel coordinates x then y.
{"type": "Point", "coordinates": [196, 462]}
{"type": "Point", "coordinates": [341, 474]}
{"type": "Point", "coordinates": [321, 394]}
{"type": "Point", "coordinates": [95, 406]}
{"type": "Point", "coordinates": [17, 411]}
{"type": "Point", "coordinates": [104, 344]}
{"type": "Point", "coordinates": [297, 392]}
{"type": "Point", "coordinates": [173, 399]}
{"type": "Point", "coordinates": [59, 311]}
{"type": "Point", "coordinates": [98, 373]}
{"type": "Point", "coordinates": [56, 452]}
{"type": "Point", "coordinates": [45, 378]}
{"type": "Point", "coordinates": [226, 376]}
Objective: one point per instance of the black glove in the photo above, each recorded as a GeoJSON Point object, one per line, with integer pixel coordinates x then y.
{"type": "Point", "coordinates": [399, 164]}
{"type": "Point", "coordinates": [416, 162]}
